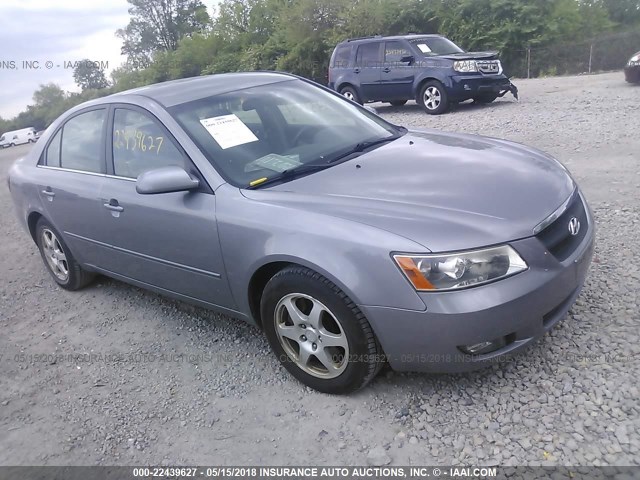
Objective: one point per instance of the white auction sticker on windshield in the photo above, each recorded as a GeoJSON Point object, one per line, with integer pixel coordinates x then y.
{"type": "Point", "coordinates": [424, 48]}
{"type": "Point", "coordinates": [228, 131]}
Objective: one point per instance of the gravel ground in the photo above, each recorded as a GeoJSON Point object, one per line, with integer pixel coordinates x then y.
{"type": "Point", "coordinates": [140, 379]}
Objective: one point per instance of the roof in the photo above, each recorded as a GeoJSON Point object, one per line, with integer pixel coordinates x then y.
{"type": "Point", "coordinates": [184, 90]}
{"type": "Point", "coordinates": [410, 36]}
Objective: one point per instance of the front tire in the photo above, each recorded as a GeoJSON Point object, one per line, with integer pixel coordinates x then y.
{"type": "Point", "coordinates": [351, 94]}
{"type": "Point", "coordinates": [318, 333]}
{"type": "Point", "coordinates": [433, 98]}
{"type": "Point", "coordinates": [58, 258]}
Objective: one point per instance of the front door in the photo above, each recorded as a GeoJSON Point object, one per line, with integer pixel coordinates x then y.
{"type": "Point", "coordinates": [167, 240]}
{"type": "Point", "coordinates": [396, 81]}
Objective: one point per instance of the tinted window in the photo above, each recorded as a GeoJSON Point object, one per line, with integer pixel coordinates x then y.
{"type": "Point", "coordinates": [140, 144]}
{"type": "Point", "coordinates": [52, 155]}
{"type": "Point", "coordinates": [394, 51]}
{"type": "Point", "coordinates": [342, 56]}
{"type": "Point", "coordinates": [82, 142]}
{"type": "Point", "coordinates": [368, 55]}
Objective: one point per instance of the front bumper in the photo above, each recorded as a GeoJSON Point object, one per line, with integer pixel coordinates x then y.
{"type": "Point", "coordinates": [464, 87]}
{"type": "Point", "coordinates": [517, 310]}
{"type": "Point", "coordinates": [632, 74]}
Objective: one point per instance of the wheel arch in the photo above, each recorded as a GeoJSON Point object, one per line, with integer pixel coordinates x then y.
{"type": "Point", "coordinates": [267, 270]}
{"type": "Point", "coordinates": [420, 83]}
{"type": "Point", "coordinates": [32, 221]}
{"type": "Point", "coordinates": [346, 84]}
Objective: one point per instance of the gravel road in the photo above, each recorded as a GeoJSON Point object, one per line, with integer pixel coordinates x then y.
{"type": "Point", "coordinates": [116, 375]}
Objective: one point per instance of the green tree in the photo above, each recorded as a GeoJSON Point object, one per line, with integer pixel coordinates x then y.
{"type": "Point", "coordinates": [159, 25]}
{"type": "Point", "coordinates": [89, 75]}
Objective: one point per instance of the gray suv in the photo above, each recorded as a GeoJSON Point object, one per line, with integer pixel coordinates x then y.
{"type": "Point", "coordinates": [428, 68]}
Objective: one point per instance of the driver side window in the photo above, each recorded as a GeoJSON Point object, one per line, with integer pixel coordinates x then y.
{"type": "Point", "coordinates": [140, 144]}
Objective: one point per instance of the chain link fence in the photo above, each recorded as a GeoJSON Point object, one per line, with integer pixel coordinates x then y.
{"type": "Point", "coordinates": [603, 53]}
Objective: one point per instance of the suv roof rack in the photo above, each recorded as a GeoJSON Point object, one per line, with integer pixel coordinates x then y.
{"type": "Point", "coordinates": [364, 38]}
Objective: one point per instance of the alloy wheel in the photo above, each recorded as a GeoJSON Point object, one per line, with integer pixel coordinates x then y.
{"type": "Point", "coordinates": [54, 255]}
{"type": "Point", "coordinates": [432, 98]}
{"type": "Point", "coordinates": [311, 335]}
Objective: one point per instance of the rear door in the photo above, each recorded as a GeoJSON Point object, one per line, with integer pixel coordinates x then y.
{"type": "Point", "coordinates": [368, 68]}
{"type": "Point", "coordinates": [169, 240]}
{"type": "Point", "coordinates": [397, 76]}
{"type": "Point", "coordinates": [70, 175]}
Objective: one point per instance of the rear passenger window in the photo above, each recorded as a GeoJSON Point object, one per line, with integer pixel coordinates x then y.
{"type": "Point", "coordinates": [52, 156]}
{"type": "Point", "coordinates": [81, 146]}
{"type": "Point", "coordinates": [140, 144]}
{"type": "Point", "coordinates": [342, 56]}
{"type": "Point", "coordinates": [368, 55]}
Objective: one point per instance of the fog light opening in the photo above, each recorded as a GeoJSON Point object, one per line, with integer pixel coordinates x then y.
{"type": "Point", "coordinates": [489, 346]}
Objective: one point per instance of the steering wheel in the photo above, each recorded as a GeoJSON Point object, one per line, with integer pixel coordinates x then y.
{"type": "Point", "coordinates": [306, 129]}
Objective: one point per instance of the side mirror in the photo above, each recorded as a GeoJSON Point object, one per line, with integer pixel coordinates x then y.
{"type": "Point", "coordinates": [371, 109]}
{"type": "Point", "coordinates": [165, 180]}
{"type": "Point", "coordinates": [407, 59]}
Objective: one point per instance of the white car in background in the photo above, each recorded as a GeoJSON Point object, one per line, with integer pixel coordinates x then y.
{"type": "Point", "coordinates": [18, 137]}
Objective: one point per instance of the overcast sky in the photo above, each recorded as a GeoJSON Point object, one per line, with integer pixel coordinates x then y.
{"type": "Point", "coordinates": [57, 32]}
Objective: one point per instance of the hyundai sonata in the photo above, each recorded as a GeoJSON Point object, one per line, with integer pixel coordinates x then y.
{"type": "Point", "coordinates": [349, 240]}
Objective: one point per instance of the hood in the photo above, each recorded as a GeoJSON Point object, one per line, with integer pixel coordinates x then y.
{"type": "Point", "coordinates": [443, 191]}
{"type": "Point", "coordinates": [471, 56]}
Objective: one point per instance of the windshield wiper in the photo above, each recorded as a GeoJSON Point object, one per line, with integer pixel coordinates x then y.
{"type": "Point", "coordinates": [314, 167]}
{"type": "Point", "coordinates": [362, 146]}
{"type": "Point", "coordinates": [292, 172]}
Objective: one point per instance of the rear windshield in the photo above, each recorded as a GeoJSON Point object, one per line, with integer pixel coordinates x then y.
{"type": "Point", "coordinates": [431, 46]}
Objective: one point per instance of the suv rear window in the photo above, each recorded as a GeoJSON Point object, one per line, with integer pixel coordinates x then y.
{"type": "Point", "coordinates": [368, 55]}
{"type": "Point", "coordinates": [342, 56]}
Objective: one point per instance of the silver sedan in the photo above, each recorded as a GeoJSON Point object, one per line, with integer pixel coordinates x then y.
{"type": "Point", "coordinates": [349, 240]}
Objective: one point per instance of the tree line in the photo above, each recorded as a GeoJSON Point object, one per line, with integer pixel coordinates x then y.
{"type": "Point", "coordinates": [170, 39]}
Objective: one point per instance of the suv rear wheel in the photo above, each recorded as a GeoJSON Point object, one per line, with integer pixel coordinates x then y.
{"type": "Point", "coordinates": [351, 94]}
{"type": "Point", "coordinates": [433, 98]}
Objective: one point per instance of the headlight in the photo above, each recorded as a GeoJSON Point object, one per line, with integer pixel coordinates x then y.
{"type": "Point", "coordinates": [452, 271]}
{"type": "Point", "coordinates": [465, 66]}
{"type": "Point", "coordinates": [635, 58]}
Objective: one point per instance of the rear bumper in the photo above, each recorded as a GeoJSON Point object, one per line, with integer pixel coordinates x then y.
{"type": "Point", "coordinates": [464, 87]}
{"type": "Point", "coordinates": [632, 74]}
{"type": "Point", "coordinates": [514, 312]}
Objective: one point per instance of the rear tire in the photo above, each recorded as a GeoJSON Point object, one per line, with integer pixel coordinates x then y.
{"type": "Point", "coordinates": [433, 98]}
{"type": "Point", "coordinates": [351, 94]}
{"type": "Point", "coordinates": [318, 333]}
{"type": "Point", "coordinates": [398, 103]}
{"type": "Point", "coordinates": [58, 258]}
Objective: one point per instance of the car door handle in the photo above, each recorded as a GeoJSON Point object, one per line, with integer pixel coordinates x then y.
{"type": "Point", "coordinates": [356, 70]}
{"type": "Point", "coordinates": [386, 69]}
{"type": "Point", "coordinates": [113, 206]}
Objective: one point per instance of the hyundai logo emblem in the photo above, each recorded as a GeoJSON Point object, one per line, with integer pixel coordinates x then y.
{"type": "Point", "coordinates": [574, 226]}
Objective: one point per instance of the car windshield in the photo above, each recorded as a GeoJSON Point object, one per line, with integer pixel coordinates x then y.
{"type": "Point", "coordinates": [259, 134]}
{"type": "Point", "coordinates": [432, 46]}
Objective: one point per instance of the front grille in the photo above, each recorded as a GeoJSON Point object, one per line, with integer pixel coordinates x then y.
{"type": "Point", "coordinates": [557, 237]}
{"type": "Point", "coordinates": [489, 66]}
